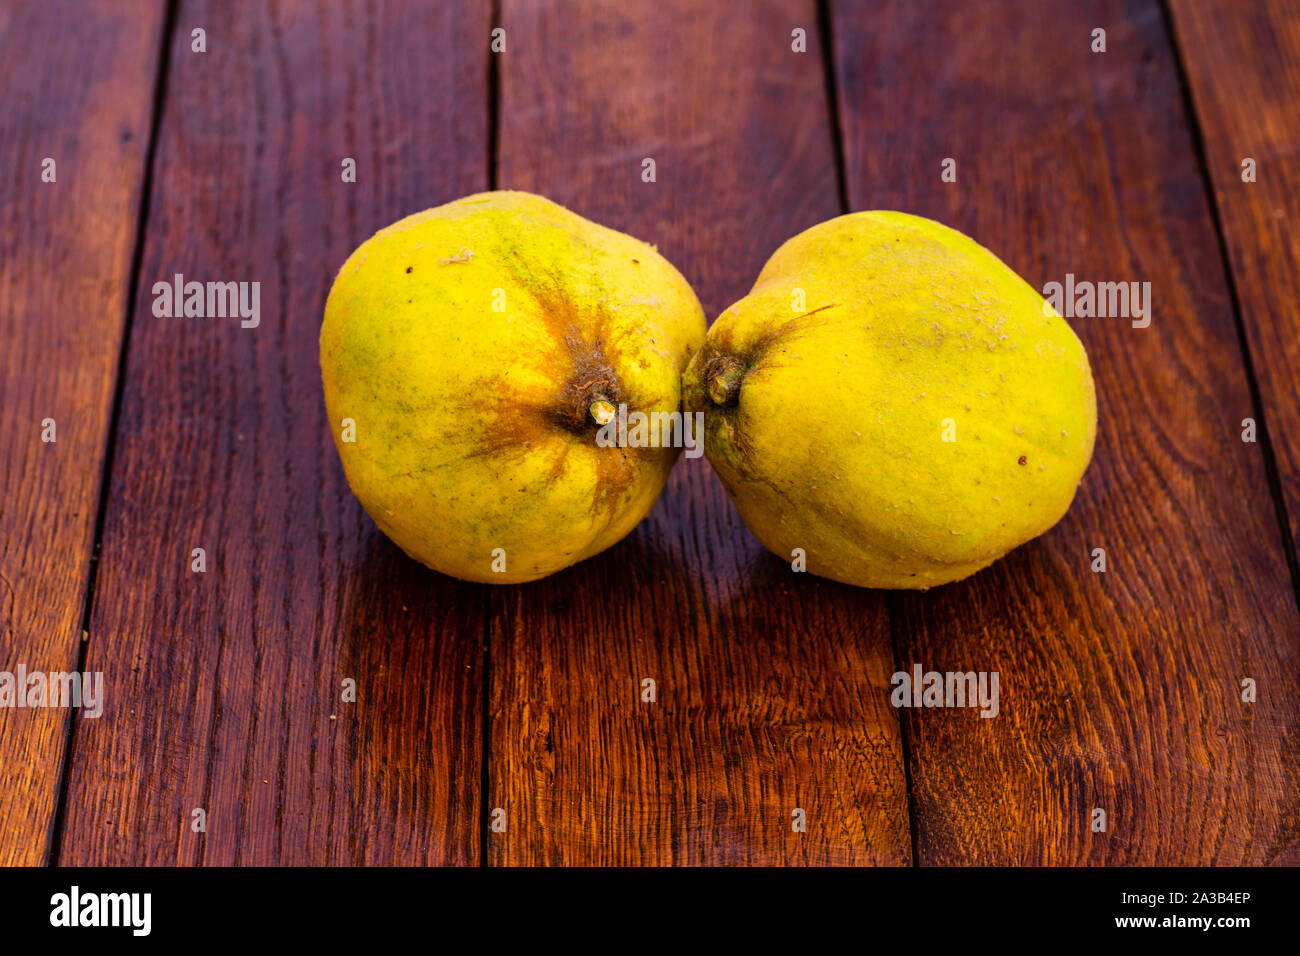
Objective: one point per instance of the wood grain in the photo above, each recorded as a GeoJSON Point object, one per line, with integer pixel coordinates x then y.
{"type": "Point", "coordinates": [78, 82]}
{"type": "Point", "coordinates": [1243, 65]}
{"type": "Point", "coordinates": [224, 688]}
{"type": "Point", "coordinates": [1120, 690]}
{"type": "Point", "coordinates": [771, 685]}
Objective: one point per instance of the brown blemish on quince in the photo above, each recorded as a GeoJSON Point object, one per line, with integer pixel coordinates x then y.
{"type": "Point", "coordinates": [580, 359]}
{"type": "Point", "coordinates": [724, 368]}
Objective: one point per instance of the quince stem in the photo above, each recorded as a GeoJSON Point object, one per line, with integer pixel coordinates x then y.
{"type": "Point", "coordinates": [724, 380]}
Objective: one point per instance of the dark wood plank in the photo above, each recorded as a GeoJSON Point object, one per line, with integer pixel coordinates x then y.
{"type": "Point", "coordinates": [772, 686]}
{"type": "Point", "coordinates": [1243, 65]}
{"type": "Point", "coordinates": [1119, 690]}
{"type": "Point", "coordinates": [224, 687]}
{"type": "Point", "coordinates": [78, 83]}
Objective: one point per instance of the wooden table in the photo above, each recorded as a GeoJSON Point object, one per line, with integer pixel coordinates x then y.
{"type": "Point", "coordinates": [1121, 691]}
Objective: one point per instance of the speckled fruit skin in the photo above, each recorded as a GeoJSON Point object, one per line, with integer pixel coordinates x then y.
{"type": "Point", "coordinates": [467, 344]}
{"type": "Point", "coordinates": [826, 422]}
